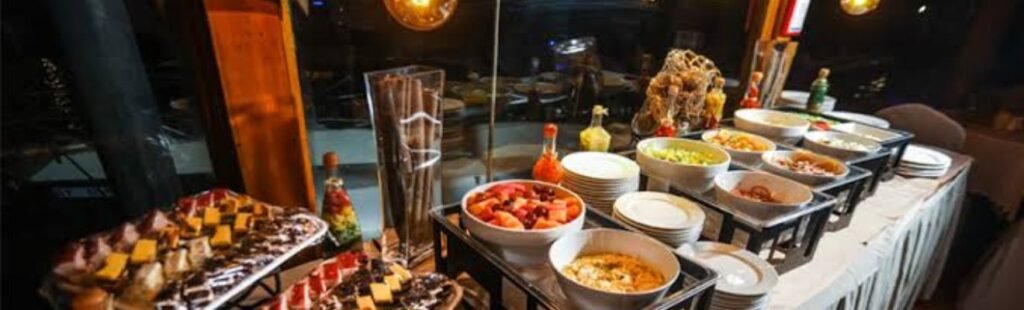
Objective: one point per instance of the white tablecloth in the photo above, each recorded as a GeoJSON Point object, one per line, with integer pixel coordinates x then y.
{"type": "Point", "coordinates": [892, 252]}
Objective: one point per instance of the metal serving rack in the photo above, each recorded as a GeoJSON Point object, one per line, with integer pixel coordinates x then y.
{"type": "Point", "coordinates": [859, 184]}
{"type": "Point", "coordinates": [894, 146]}
{"type": "Point", "coordinates": [786, 240]}
{"type": "Point", "coordinates": [465, 254]}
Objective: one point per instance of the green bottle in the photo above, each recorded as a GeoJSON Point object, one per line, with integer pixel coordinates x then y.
{"type": "Point", "coordinates": [819, 89]}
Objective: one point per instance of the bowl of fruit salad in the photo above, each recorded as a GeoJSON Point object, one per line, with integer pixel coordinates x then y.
{"type": "Point", "coordinates": [680, 163]}
{"type": "Point", "coordinates": [742, 147]}
{"type": "Point", "coordinates": [520, 218]}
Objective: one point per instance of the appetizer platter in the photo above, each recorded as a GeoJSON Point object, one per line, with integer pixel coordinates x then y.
{"type": "Point", "coordinates": [210, 248]}
{"type": "Point", "coordinates": [549, 287]}
{"type": "Point", "coordinates": [351, 280]}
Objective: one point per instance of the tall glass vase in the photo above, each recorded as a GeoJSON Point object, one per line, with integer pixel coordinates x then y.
{"type": "Point", "coordinates": [406, 104]}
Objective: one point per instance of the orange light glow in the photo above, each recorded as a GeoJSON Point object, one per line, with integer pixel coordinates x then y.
{"type": "Point", "coordinates": [858, 7]}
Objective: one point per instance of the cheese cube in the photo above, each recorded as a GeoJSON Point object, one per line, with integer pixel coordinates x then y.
{"type": "Point", "coordinates": [114, 266]}
{"type": "Point", "coordinates": [230, 206]}
{"type": "Point", "coordinates": [144, 251]}
{"type": "Point", "coordinates": [242, 222]}
{"type": "Point", "coordinates": [393, 283]}
{"type": "Point", "coordinates": [194, 225]}
{"type": "Point", "coordinates": [402, 273]}
{"type": "Point", "coordinates": [211, 217]}
{"type": "Point", "coordinates": [259, 209]}
{"type": "Point", "coordinates": [381, 293]}
{"type": "Point", "coordinates": [365, 303]}
{"type": "Point", "coordinates": [221, 237]}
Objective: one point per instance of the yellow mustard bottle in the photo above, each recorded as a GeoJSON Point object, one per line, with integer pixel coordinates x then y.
{"type": "Point", "coordinates": [714, 103]}
{"type": "Point", "coordinates": [595, 138]}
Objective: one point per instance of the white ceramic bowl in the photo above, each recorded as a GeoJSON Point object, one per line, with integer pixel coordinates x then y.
{"type": "Point", "coordinates": [520, 247]}
{"type": "Point", "coordinates": [789, 193]}
{"type": "Point", "coordinates": [776, 125]}
{"type": "Point", "coordinates": [817, 141]}
{"type": "Point", "coordinates": [771, 166]}
{"type": "Point", "coordinates": [601, 241]}
{"type": "Point", "coordinates": [751, 158]}
{"type": "Point", "coordinates": [679, 175]}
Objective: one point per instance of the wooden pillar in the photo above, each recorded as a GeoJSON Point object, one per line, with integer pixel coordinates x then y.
{"type": "Point", "coordinates": [251, 85]}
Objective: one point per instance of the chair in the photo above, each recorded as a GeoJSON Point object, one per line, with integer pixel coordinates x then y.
{"type": "Point", "coordinates": [929, 126]}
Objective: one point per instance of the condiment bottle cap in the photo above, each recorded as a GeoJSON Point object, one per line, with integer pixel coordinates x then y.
{"type": "Point", "coordinates": [550, 130]}
{"type": "Point", "coordinates": [823, 72]}
{"type": "Point", "coordinates": [757, 76]}
{"type": "Point", "coordinates": [331, 159]}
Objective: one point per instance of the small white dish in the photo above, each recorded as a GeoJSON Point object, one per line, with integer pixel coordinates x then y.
{"type": "Point", "coordinates": [660, 210]}
{"type": "Point", "coordinates": [777, 125]}
{"type": "Point", "coordinates": [865, 131]}
{"type": "Point", "coordinates": [832, 143]}
{"type": "Point", "coordinates": [789, 194]}
{"type": "Point", "coordinates": [860, 118]}
{"type": "Point", "coordinates": [747, 157]}
{"type": "Point", "coordinates": [740, 272]}
{"type": "Point", "coordinates": [770, 164]}
{"type": "Point", "coordinates": [923, 156]}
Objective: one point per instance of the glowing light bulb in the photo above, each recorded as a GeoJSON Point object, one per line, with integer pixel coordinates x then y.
{"type": "Point", "coordinates": [921, 9]}
{"type": "Point", "coordinates": [421, 15]}
{"type": "Point", "coordinates": [858, 7]}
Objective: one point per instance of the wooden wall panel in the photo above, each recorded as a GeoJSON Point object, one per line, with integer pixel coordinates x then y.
{"type": "Point", "coordinates": [254, 51]}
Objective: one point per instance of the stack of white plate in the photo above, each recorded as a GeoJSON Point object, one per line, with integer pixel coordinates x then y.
{"type": "Point", "coordinates": [666, 217]}
{"type": "Point", "coordinates": [600, 178]}
{"type": "Point", "coordinates": [744, 280]}
{"type": "Point", "coordinates": [920, 161]}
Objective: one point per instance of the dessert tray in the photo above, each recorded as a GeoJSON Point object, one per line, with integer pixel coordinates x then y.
{"type": "Point", "coordinates": [204, 253]}
{"type": "Point", "coordinates": [352, 280]}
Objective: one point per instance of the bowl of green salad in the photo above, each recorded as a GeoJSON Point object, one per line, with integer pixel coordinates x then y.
{"type": "Point", "coordinates": [680, 163]}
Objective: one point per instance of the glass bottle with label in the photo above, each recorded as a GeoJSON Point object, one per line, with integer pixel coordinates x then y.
{"type": "Point", "coordinates": [595, 138]}
{"type": "Point", "coordinates": [819, 89]}
{"type": "Point", "coordinates": [548, 168]}
{"type": "Point", "coordinates": [714, 104]}
{"type": "Point", "coordinates": [337, 210]}
{"type": "Point", "coordinates": [750, 99]}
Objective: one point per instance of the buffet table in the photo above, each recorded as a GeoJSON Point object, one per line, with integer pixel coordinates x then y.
{"type": "Point", "coordinates": [892, 252]}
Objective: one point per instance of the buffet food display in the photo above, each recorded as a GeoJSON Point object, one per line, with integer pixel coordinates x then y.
{"type": "Point", "coordinates": [201, 254]}
{"type": "Point", "coordinates": [523, 206]}
{"type": "Point", "coordinates": [613, 272]}
{"type": "Point", "coordinates": [352, 280]}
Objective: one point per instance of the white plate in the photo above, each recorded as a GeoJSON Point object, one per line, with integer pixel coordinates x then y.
{"type": "Point", "coordinates": [860, 118]}
{"type": "Point", "coordinates": [740, 272]}
{"type": "Point", "coordinates": [600, 165]}
{"type": "Point", "coordinates": [923, 156]}
{"type": "Point", "coordinates": [659, 210]}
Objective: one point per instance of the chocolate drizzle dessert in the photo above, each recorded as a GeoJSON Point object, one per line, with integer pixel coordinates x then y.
{"type": "Point", "coordinates": [353, 281]}
{"type": "Point", "coordinates": [184, 259]}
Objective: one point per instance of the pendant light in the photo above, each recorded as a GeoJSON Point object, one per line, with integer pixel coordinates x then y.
{"type": "Point", "coordinates": [858, 7]}
{"type": "Point", "coordinates": [421, 15]}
